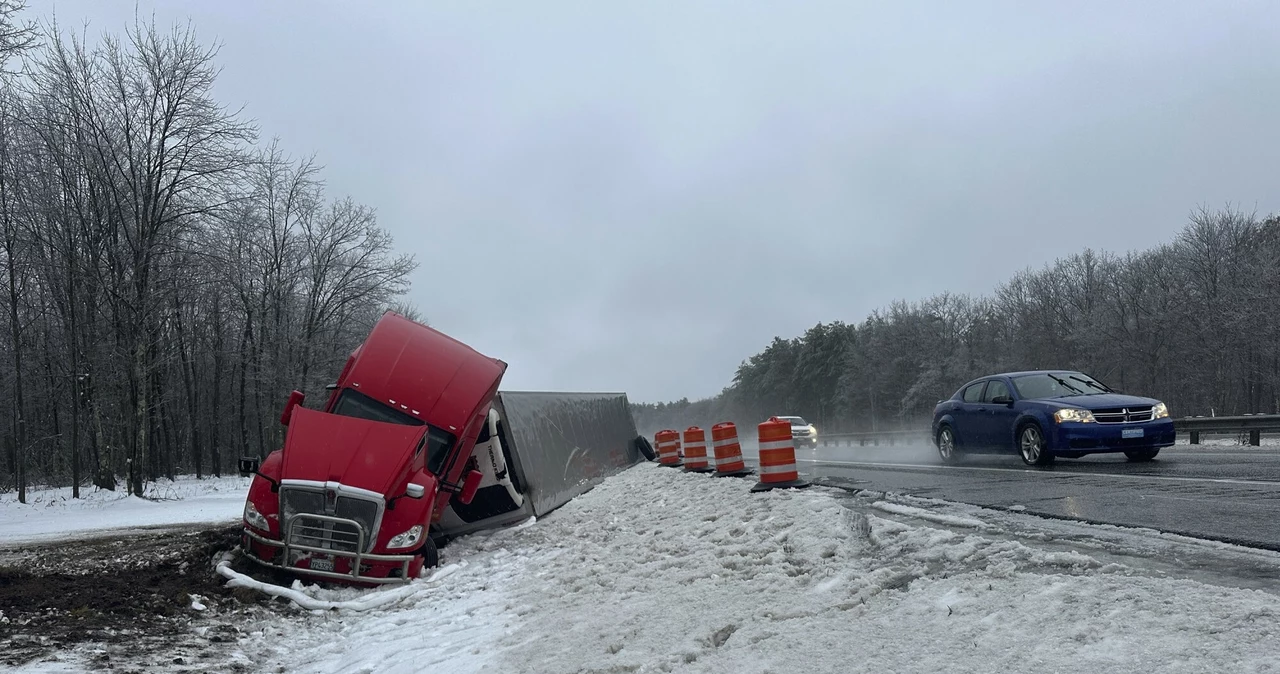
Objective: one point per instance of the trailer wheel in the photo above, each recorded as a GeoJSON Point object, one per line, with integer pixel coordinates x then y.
{"type": "Point", "coordinates": [642, 443]}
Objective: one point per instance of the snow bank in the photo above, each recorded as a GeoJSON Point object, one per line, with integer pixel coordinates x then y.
{"type": "Point", "coordinates": [656, 571]}
{"type": "Point", "coordinates": [52, 514]}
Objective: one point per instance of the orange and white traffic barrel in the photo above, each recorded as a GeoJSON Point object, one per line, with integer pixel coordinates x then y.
{"type": "Point", "coordinates": [777, 457]}
{"type": "Point", "coordinates": [728, 453]}
{"type": "Point", "coordinates": [695, 450]}
{"type": "Point", "coordinates": [668, 444]}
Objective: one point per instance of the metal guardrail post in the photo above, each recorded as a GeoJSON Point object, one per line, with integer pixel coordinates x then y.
{"type": "Point", "coordinates": [1195, 437]}
{"type": "Point", "coordinates": [1255, 437]}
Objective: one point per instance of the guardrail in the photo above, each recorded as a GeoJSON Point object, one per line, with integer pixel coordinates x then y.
{"type": "Point", "coordinates": [873, 438]}
{"type": "Point", "coordinates": [1253, 424]}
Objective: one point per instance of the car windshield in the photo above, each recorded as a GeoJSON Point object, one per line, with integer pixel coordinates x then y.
{"type": "Point", "coordinates": [795, 421]}
{"type": "Point", "coordinates": [352, 403]}
{"type": "Point", "coordinates": [1058, 385]}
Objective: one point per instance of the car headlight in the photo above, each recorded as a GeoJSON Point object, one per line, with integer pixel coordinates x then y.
{"type": "Point", "coordinates": [1073, 414]}
{"type": "Point", "coordinates": [813, 431]}
{"type": "Point", "coordinates": [255, 518]}
{"type": "Point", "coordinates": [1160, 411]}
{"type": "Point", "coordinates": [407, 539]}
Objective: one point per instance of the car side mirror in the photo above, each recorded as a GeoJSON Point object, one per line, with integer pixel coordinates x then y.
{"type": "Point", "coordinates": [469, 487]}
{"type": "Point", "coordinates": [1002, 400]}
{"type": "Point", "coordinates": [295, 399]}
{"type": "Point", "coordinates": [415, 490]}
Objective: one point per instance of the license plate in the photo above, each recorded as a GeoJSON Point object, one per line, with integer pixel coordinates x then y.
{"type": "Point", "coordinates": [321, 563]}
{"type": "Point", "coordinates": [1131, 433]}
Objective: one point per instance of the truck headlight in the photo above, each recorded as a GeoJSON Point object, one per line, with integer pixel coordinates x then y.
{"type": "Point", "coordinates": [1073, 414]}
{"type": "Point", "coordinates": [1160, 411]}
{"type": "Point", "coordinates": [813, 431]}
{"type": "Point", "coordinates": [255, 518]}
{"type": "Point", "coordinates": [407, 539]}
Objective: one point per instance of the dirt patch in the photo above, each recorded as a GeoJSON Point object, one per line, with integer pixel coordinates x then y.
{"type": "Point", "coordinates": [127, 603]}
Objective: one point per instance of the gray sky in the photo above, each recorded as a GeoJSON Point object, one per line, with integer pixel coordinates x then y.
{"type": "Point", "coordinates": [638, 196]}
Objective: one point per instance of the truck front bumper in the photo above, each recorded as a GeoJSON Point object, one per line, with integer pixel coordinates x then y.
{"type": "Point", "coordinates": [351, 567]}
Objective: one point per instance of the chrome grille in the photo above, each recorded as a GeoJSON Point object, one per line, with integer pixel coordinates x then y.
{"type": "Point", "coordinates": [324, 533]}
{"type": "Point", "coordinates": [321, 532]}
{"type": "Point", "coordinates": [1122, 415]}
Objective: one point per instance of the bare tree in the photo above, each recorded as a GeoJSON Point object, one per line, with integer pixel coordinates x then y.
{"type": "Point", "coordinates": [160, 271]}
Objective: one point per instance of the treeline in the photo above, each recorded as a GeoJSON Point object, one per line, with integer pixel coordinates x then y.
{"type": "Point", "coordinates": [166, 278]}
{"type": "Point", "coordinates": [1195, 322]}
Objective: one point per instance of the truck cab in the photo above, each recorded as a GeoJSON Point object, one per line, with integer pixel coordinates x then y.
{"type": "Point", "coordinates": [354, 491]}
{"type": "Point", "coordinates": [416, 442]}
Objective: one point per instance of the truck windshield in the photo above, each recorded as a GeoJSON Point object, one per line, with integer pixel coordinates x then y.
{"type": "Point", "coordinates": [438, 442]}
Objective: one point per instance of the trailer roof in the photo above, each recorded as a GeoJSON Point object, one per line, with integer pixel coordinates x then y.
{"type": "Point", "coordinates": [424, 372]}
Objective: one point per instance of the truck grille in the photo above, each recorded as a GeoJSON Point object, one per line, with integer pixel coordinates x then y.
{"type": "Point", "coordinates": [1122, 415]}
{"type": "Point", "coordinates": [319, 532]}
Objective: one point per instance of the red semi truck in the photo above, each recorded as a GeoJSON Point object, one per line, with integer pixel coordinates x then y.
{"type": "Point", "coordinates": [415, 443]}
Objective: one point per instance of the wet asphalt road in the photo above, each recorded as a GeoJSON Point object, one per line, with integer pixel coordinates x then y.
{"type": "Point", "coordinates": [1225, 494]}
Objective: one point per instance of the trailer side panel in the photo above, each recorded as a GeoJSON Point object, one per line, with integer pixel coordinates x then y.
{"type": "Point", "coordinates": [566, 443]}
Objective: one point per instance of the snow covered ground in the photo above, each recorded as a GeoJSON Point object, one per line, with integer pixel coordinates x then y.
{"type": "Point", "coordinates": [661, 571]}
{"type": "Point", "coordinates": [52, 513]}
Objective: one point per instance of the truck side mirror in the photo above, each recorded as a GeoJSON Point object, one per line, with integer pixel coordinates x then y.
{"type": "Point", "coordinates": [469, 487]}
{"type": "Point", "coordinates": [248, 465]}
{"type": "Point", "coordinates": [295, 399]}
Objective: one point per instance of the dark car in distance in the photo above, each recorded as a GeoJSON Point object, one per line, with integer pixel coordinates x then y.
{"type": "Point", "coordinates": [1046, 414]}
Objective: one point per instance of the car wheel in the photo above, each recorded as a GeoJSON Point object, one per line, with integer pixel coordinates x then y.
{"type": "Point", "coordinates": [946, 442]}
{"type": "Point", "coordinates": [1142, 454]}
{"type": "Point", "coordinates": [1031, 446]}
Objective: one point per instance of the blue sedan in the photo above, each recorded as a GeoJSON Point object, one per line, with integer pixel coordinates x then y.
{"type": "Point", "coordinates": [1047, 414]}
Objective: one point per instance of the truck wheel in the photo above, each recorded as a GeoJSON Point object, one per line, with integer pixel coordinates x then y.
{"type": "Point", "coordinates": [430, 554]}
{"type": "Point", "coordinates": [642, 443]}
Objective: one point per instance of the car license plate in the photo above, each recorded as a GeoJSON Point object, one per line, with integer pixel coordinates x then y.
{"type": "Point", "coordinates": [1131, 433]}
{"type": "Point", "coordinates": [321, 563]}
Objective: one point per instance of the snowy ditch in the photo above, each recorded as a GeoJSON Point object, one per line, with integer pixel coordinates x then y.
{"type": "Point", "coordinates": [656, 570]}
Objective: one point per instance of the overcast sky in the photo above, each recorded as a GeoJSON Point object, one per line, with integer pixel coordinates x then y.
{"type": "Point", "coordinates": [638, 196]}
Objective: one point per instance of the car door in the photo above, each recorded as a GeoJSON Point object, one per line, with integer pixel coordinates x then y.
{"type": "Point", "coordinates": [966, 419]}
{"type": "Point", "coordinates": [997, 418]}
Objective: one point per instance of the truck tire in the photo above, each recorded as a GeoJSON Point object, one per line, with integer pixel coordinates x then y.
{"type": "Point", "coordinates": [430, 554]}
{"type": "Point", "coordinates": [642, 443]}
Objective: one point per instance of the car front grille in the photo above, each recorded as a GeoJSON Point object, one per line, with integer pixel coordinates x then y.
{"type": "Point", "coordinates": [298, 505]}
{"type": "Point", "coordinates": [1122, 415]}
